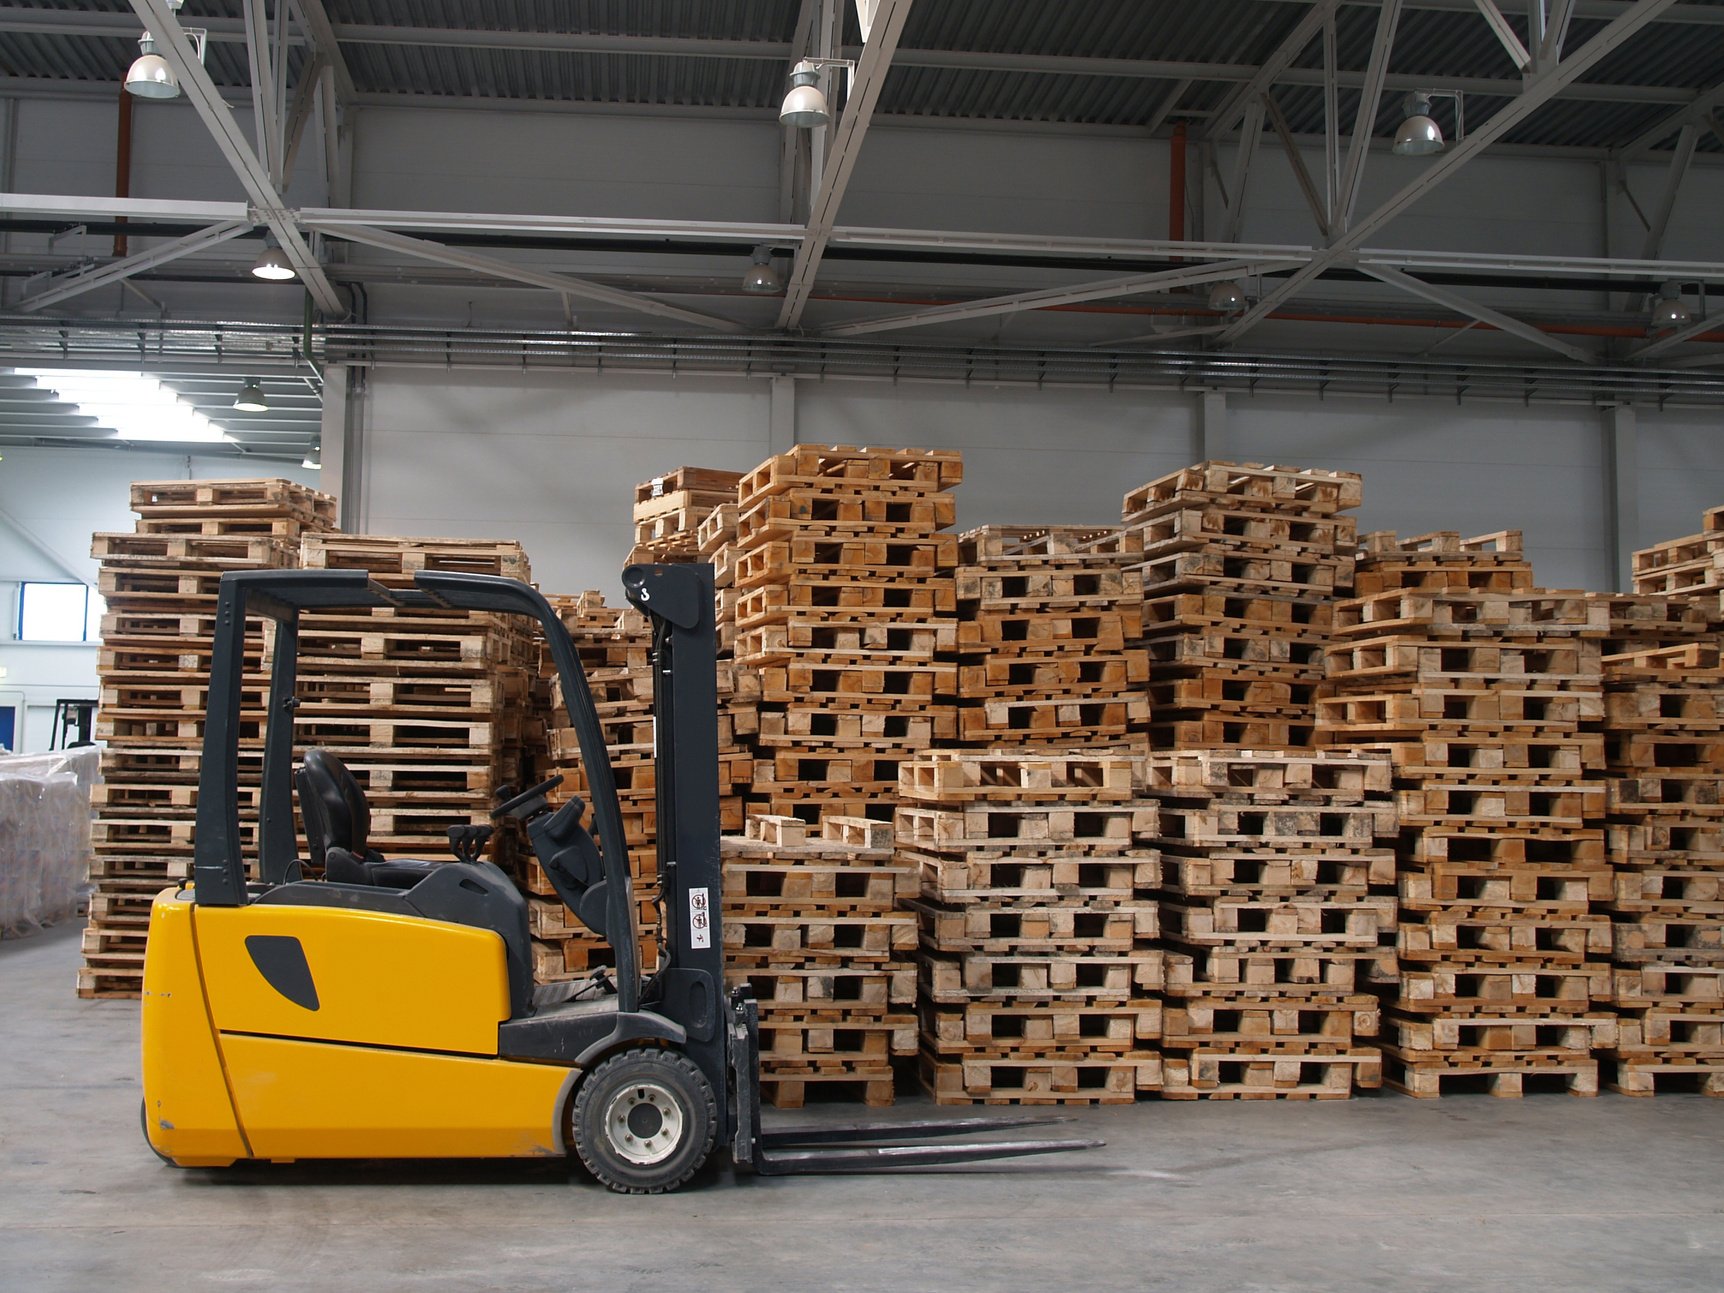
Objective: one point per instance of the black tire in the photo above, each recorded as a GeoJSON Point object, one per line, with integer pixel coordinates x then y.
{"type": "Point", "coordinates": [644, 1121]}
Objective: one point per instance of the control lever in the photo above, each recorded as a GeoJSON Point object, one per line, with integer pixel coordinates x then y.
{"type": "Point", "coordinates": [469, 841]}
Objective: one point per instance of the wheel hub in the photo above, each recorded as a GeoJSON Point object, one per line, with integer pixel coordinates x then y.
{"type": "Point", "coordinates": [644, 1123]}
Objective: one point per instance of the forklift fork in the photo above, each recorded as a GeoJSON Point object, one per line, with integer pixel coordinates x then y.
{"type": "Point", "coordinates": [858, 1147]}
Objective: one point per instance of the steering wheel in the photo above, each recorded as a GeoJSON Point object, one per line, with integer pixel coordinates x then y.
{"type": "Point", "coordinates": [510, 807]}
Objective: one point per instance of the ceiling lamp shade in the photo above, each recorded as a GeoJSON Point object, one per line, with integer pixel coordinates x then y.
{"type": "Point", "coordinates": [762, 277]}
{"type": "Point", "coordinates": [273, 265]}
{"type": "Point", "coordinates": [1227, 297]}
{"type": "Point", "coordinates": [804, 105]}
{"type": "Point", "coordinates": [1419, 135]}
{"type": "Point", "coordinates": [1668, 310]}
{"type": "Point", "coordinates": [250, 398]}
{"type": "Point", "coordinates": [149, 76]}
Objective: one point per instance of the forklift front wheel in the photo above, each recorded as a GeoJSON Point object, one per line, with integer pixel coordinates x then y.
{"type": "Point", "coordinates": [644, 1121]}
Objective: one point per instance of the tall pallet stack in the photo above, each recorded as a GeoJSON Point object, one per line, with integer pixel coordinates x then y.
{"type": "Point", "coordinates": [1664, 730]}
{"type": "Point", "coordinates": [1489, 691]}
{"type": "Point", "coordinates": [1038, 968]}
{"type": "Point", "coordinates": [1044, 615]}
{"type": "Point", "coordinates": [161, 585]}
{"type": "Point", "coordinates": [669, 510]}
{"type": "Point", "coordinates": [844, 608]}
{"type": "Point", "coordinates": [427, 708]}
{"type": "Point", "coordinates": [1279, 912]}
{"type": "Point", "coordinates": [811, 923]}
{"type": "Point", "coordinates": [1241, 563]}
{"type": "Point", "coordinates": [614, 645]}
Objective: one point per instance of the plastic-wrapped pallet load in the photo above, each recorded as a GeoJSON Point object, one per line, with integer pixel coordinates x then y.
{"type": "Point", "coordinates": [44, 837]}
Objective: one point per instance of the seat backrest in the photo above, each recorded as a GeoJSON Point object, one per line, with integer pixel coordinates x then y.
{"type": "Point", "coordinates": [332, 805]}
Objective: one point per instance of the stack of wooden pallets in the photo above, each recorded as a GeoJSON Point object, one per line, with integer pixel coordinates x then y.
{"type": "Point", "coordinates": [1664, 730]}
{"type": "Point", "coordinates": [161, 585]}
{"type": "Point", "coordinates": [1490, 691]}
{"type": "Point", "coordinates": [669, 510]}
{"type": "Point", "coordinates": [427, 708]}
{"type": "Point", "coordinates": [1690, 569]}
{"type": "Point", "coordinates": [1038, 966]}
{"type": "Point", "coordinates": [614, 645]}
{"type": "Point", "coordinates": [843, 598]}
{"type": "Point", "coordinates": [1279, 911]}
{"type": "Point", "coordinates": [810, 922]}
{"type": "Point", "coordinates": [1239, 568]}
{"type": "Point", "coordinates": [1044, 615]}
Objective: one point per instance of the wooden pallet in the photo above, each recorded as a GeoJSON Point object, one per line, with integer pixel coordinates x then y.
{"type": "Point", "coordinates": [1270, 1075]}
{"type": "Point", "coordinates": [1099, 1079]}
{"type": "Point", "coordinates": [1424, 1076]}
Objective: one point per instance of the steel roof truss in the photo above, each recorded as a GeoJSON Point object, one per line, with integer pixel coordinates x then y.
{"type": "Point", "coordinates": [84, 281]}
{"type": "Point", "coordinates": [1472, 310]}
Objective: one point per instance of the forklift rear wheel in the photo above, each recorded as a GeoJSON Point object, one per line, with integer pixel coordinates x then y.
{"type": "Point", "coordinates": [644, 1121]}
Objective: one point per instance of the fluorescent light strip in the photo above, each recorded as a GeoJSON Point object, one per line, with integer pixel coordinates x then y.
{"type": "Point", "coordinates": [136, 406]}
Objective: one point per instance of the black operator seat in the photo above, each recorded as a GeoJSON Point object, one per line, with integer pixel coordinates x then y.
{"type": "Point", "coordinates": [337, 824]}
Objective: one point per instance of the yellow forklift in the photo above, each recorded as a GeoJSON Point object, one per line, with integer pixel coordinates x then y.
{"type": "Point", "coordinates": [386, 1008]}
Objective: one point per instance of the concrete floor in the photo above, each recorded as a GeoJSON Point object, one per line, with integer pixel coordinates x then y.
{"type": "Point", "coordinates": [1385, 1193]}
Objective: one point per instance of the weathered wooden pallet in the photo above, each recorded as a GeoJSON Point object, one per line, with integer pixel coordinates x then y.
{"type": "Point", "coordinates": [1642, 1077]}
{"type": "Point", "coordinates": [1054, 877]}
{"type": "Point", "coordinates": [830, 988]}
{"type": "Point", "coordinates": [1426, 1074]}
{"type": "Point", "coordinates": [1668, 792]}
{"type": "Point", "coordinates": [1100, 1079]}
{"type": "Point", "coordinates": [402, 556]}
{"type": "Point", "coordinates": [870, 684]}
{"type": "Point", "coordinates": [839, 729]}
{"type": "Point", "coordinates": [1276, 874]}
{"type": "Point", "coordinates": [1229, 732]}
{"type": "Point", "coordinates": [1639, 986]}
{"type": "Point", "coordinates": [1101, 544]}
{"type": "Point", "coordinates": [851, 1039]}
{"type": "Point", "coordinates": [1038, 632]}
{"type": "Point", "coordinates": [1501, 615]}
{"type": "Point", "coordinates": [1282, 924]}
{"type": "Point", "coordinates": [1267, 776]}
{"type": "Point", "coordinates": [1664, 1032]}
{"type": "Point", "coordinates": [763, 889]}
{"type": "Point", "coordinates": [1531, 988]}
{"type": "Point", "coordinates": [1674, 842]}
{"type": "Point", "coordinates": [846, 559]}
{"type": "Point", "coordinates": [1521, 755]}
{"type": "Point", "coordinates": [1271, 575]}
{"type": "Point", "coordinates": [1100, 677]}
{"type": "Point", "coordinates": [1669, 892]}
{"type": "Point", "coordinates": [762, 940]}
{"type": "Point", "coordinates": [1219, 609]}
{"type": "Point", "coordinates": [838, 509]}
{"type": "Point", "coordinates": [1052, 721]}
{"type": "Point", "coordinates": [958, 777]}
{"type": "Point", "coordinates": [1227, 824]}
{"type": "Point", "coordinates": [1463, 886]}
{"type": "Point", "coordinates": [1107, 825]}
{"type": "Point", "coordinates": [1478, 802]}
{"type": "Point", "coordinates": [784, 1091]}
{"type": "Point", "coordinates": [1505, 847]}
{"type": "Point", "coordinates": [1482, 1036]}
{"type": "Point", "coordinates": [927, 470]}
{"type": "Point", "coordinates": [844, 601]}
{"type": "Point", "coordinates": [1251, 1023]}
{"type": "Point", "coordinates": [1027, 929]}
{"type": "Point", "coordinates": [1654, 936]}
{"type": "Point", "coordinates": [995, 589]}
{"type": "Point", "coordinates": [1270, 1075]}
{"type": "Point", "coordinates": [1534, 935]}
{"type": "Point", "coordinates": [157, 498]}
{"type": "Point", "coordinates": [1060, 978]}
{"type": "Point", "coordinates": [1463, 663]}
{"type": "Point", "coordinates": [1440, 575]}
{"type": "Point", "coordinates": [1242, 528]}
{"type": "Point", "coordinates": [227, 552]}
{"type": "Point", "coordinates": [1292, 489]}
{"type": "Point", "coordinates": [1198, 970]}
{"type": "Point", "coordinates": [881, 641]}
{"type": "Point", "coordinates": [1385, 715]}
{"type": "Point", "coordinates": [1231, 692]}
{"type": "Point", "coordinates": [1016, 1029]}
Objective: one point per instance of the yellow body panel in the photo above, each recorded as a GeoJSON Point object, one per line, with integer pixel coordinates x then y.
{"type": "Point", "coordinates": [382, 980]}
{"type": "Point", "coordinates": [311, 1100]}
{"type": "Point", "coordinates": [188, 1113]}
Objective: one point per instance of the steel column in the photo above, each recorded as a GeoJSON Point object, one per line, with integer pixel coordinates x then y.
{"type": "Point", "coordinates": [1622, 467]}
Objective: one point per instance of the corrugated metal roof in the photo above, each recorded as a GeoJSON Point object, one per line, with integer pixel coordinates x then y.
{"type": "Point", "coordinates": [1439, 44]}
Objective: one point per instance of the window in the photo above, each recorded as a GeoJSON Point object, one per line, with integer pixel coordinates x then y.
{"type": "Point", "coordinates": [60, 613]}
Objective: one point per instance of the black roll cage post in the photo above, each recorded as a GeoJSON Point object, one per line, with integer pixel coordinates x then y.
{"type": "Point", "coordinates": [218, 865]}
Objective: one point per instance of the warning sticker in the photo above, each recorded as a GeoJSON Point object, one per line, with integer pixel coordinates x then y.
{"type": "Point", "coordinates": [699, 918]}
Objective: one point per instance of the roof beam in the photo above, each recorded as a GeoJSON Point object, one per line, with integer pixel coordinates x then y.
{"type": "Point", "coordinates": [491, 267]}
{"type": "Point", "coordinates": [78, 283]}
{"type": "Point", "coordinates": [1472, 310]}
{"type": "Point", "coordinates": [1296, 159]}
{"type": "Point", "coordinates": [314, 20]}
{"type": "Point", "coordinates": [1365, 119]}
{"type": "Point", "coordinates": [267, 125]}
{"type": "Point", "coordinates": [1540, 90]}
{"type": "Point", "coordinates": [201, 92]}
{"type": "Point", "coordinates": [866, 84]}
{"type": "Point", "coordinates": [1250, 135]}
{"type": "Point", "coordinates": [1046, 298]}
{"type": "Point", "coordinates": [1505, 33]}
{"type": "Point", "coordinates": [1556, 20]}
{"type": "Point", "coordinates": [1292, 45]}
{"type": "Point", "coordinates": [1675, 173]}
{"type": "Point", "coordinates": [1695, 113]}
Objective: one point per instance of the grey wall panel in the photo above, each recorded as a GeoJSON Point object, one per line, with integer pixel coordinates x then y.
{"type": "Point", "coordinates": [1681, 462]}
{"type": "Point", "coordinates": [550, 460]}
{"type": "Point", "coordinates": [1433, 466]}
{"type": "Point", "coordinates": [1030, 457]}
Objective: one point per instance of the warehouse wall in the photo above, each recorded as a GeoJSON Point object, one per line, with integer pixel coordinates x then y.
{"type": "Point", "coordinates": [51, 502]}
{"type": "Point", "coordinates": [552, 459]}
